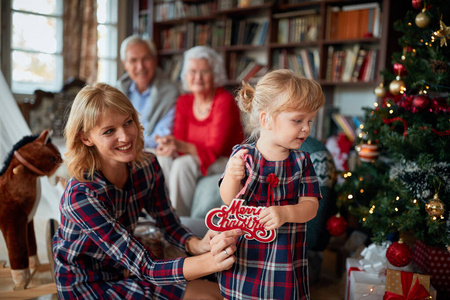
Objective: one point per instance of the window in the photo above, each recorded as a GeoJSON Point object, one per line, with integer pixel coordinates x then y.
{"type": "Point", "coordinates": [36, 45]}
{"type": "Point", "coordinates": [107, 41]}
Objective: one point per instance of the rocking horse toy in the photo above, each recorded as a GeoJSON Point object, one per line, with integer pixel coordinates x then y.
{"type": "Point", "coordinates": [31, 157]}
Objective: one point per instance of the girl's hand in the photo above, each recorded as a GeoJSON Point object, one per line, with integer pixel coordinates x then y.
{"type": "Point", "coordinates": [236, 165]}
{"type": "Point", "coordinates": [223, 246]}
{"type": "Point", "coordinates": [273, 217]}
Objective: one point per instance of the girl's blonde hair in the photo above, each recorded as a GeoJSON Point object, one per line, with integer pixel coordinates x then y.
{"type": "Point", "coordinates": [89, 104]}
{"type": "Point", "coordinates": [278, 91]}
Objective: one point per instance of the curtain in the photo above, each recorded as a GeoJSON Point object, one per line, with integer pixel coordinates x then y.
{"type": "Point", "coordinates": [80, 40]}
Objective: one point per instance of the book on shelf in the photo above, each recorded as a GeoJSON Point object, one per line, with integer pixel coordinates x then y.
{"type": "Point", "coordinates": [360, 58]}
{"type": "Point", "coordinates": [345, 124]}
{"type": "Point", "coordinates": [165, 11]}
{"type": "Point", "coordinates": [250, 30]}
{"type": "Point", "coordinates": [249, 71]}
{"type": "Point", "coordinates": [172, 67]}
{"type": "Point", "coordinates": [328, 71]}
{"type": "Point", "coordinates": [228, 31]}
{"type": "Point", "coordinates": [351, 55]}
{"type": "Point", "coordinates": [353, 21]}
{"type": "Point", "coordinates": [295, 64]}
{"type": "Point", "coordinates": [351, 64]}
{"type": "Point", "coordinates": [218, 34]}
{"type": "Point", "coordinates": [226, 4]}
{"type": "Point", "coordinates": [298, 26]}
{"type": "Point", "coordinates": [174, 38]}
{"type": "Point", "coordinates": [261, 33]}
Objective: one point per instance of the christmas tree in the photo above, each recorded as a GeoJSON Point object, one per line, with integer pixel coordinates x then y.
{"type": "Point", "coordinates": [406, 189]}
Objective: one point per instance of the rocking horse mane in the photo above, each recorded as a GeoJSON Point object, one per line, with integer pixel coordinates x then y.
{"type": "Point", "coordinates": [24, 141]}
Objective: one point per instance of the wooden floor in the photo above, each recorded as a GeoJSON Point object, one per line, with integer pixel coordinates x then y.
{"type": "Point", "coordinates": [330, 286]}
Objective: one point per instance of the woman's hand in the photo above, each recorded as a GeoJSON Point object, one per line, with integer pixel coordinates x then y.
{"type": "Point", "coordinates": [223, 246]}
{"type": "Point", "coordinates": [198, 246]}
{"type": "Point", "coordinates": [236, 165]}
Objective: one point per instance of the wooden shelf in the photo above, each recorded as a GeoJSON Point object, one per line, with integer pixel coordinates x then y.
{"type": "Point", "coordinates": [221, 26]}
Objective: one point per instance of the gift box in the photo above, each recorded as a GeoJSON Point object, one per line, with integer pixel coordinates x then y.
{"type": "Point", "coordinates": [434, 261]}
{"type": "Point", "coordinates": [408, 285]}
{"type": "Point", "coordinates": [361, 284]}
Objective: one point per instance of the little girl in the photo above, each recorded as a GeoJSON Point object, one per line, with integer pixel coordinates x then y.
{"type": "Point", "coordinates": [271, 172]}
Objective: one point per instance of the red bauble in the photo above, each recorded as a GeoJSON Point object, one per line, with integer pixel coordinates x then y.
{"type": "Point", "coordinates": [336, 225]}
{"type": "Point", "coordinates": [421, 102]}
{"type": "Point", "coordinates": [417, 4]}
{"type": "Point", "coordinates": [399, 254]}
{"type": "Point", "coordinates": [399, 70]}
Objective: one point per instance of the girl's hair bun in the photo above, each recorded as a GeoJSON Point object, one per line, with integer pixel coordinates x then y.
{"type": "Point", "coordinates": [245, 97]}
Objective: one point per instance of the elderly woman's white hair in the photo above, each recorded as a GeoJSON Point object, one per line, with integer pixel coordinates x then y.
{"type": "Point", "coordinates": [136, 39]}
{"type": "Point", "coordinates": [215, 62]}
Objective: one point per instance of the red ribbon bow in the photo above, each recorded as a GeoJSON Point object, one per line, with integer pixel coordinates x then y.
{"type": "Point", "coordinates": [417, 291]}
{"type": "Point", "coordinates": [272, 180]}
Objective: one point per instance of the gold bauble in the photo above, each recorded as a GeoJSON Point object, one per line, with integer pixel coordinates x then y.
{"type": "Point", "coordinates": [380, 91]}
{"type": "Point", "coordinates": [396, 86]}
{"type": "Point", "coordinates": [435, 207]}
{"type": "Point", "coordinates": [422, 19]}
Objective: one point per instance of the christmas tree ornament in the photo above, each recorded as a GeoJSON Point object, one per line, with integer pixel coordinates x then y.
{"type": "Point", "coordinates": [439, 67]}
{"type": "Point", "coordinates": [399, 69]}
{"type": "Point", "coordinates": [336, 225]}
{"type": "Point", "coordinates": [443, 33]}
{"type": "Point", "coordinates": [417, 4]}
{"type": "Point", "coordinates": [420, 102]}
{"type": "Point", "coordinates": [397, 86]}
{"type": "Point", "coordinates": [422, 19]}
{"type": "Point", "coordinates": [435, 207]}
{"type": "Point", "coordinates": [380, 91]}
{"type": "Point", "coordinates": [368, 152]}
{"type": "Point", "coordinates": [399, 254]}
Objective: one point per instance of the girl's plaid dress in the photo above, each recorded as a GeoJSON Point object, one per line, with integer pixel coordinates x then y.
{"type": "Point", "coordinates": [94, 243]}
{"type": "Point", "coordinates": [275, 270]}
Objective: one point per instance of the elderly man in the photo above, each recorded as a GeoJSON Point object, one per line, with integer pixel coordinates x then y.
{"type": "Point", "coordinates": [152, 95]}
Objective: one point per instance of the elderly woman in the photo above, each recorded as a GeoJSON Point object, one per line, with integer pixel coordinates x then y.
{"type": "Point", "coordinates": [207, 125]}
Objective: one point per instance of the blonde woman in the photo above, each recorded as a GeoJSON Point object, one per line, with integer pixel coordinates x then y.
{"type": "Point", "coordinates": [112, 181]}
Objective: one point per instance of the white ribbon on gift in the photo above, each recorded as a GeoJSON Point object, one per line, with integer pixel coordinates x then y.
{"type": "Point", "coordinates": [375, 261]}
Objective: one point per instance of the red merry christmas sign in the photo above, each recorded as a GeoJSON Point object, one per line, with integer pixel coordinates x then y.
{"type": "Point", "coordinates": [239, 216]}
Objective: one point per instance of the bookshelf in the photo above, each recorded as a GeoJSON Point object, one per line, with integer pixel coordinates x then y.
{"type": "Point", "coordinates": [338, 43]}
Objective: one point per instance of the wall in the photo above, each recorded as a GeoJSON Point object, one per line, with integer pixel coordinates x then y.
{"type": "Point", "coordinates": [350, 100]}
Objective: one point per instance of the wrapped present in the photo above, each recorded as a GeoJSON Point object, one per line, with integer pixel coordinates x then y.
{"type": "Point", "coordinates": [361, 284]}
{"type": "Point", "coordinates": [435, 262]}
{"type": "Point", "coordinates": [407, 285]}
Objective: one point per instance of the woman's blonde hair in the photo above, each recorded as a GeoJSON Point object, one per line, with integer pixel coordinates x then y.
{"type": "Point", "coordinates": [277, 91]}
{"type": "Point", "coordinates": [89, 104]}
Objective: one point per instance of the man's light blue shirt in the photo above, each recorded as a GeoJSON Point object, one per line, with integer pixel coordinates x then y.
{"type": "Point", "coordinates": [142, 104]}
